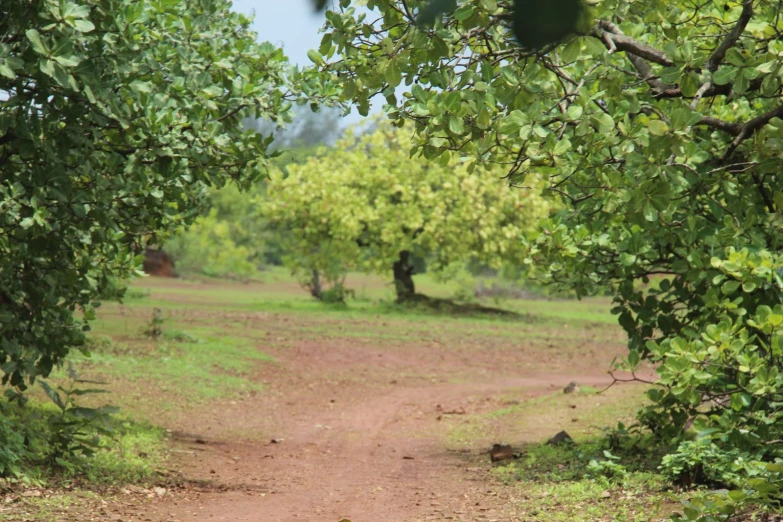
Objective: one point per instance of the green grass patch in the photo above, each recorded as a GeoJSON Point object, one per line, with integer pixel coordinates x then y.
{"type": "Point", "coordinates": [281, 293]}
{"type": "Point", "coordinates": [587, 483]}
{"type": "Point", "coordinates": [133, 451]}
{"type": "Point", "coordinates": [183, 364]}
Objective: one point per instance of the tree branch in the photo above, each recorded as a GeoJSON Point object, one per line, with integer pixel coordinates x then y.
{"type": "Point", "coordinates": [751, 127]}
{"type": "Point", "coordinates": [228, 115]}
{"type": "Point", "coordinates": [716, 58]}
{"type": "Point", "coordinates": [635, 47]}
{"type": "Point", "coordinates": [732, 128]}
{"type": "Point", "coordinates": [712, 91]}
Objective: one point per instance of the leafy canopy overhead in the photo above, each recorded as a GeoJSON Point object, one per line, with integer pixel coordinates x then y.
{"type": "Point", "coordinates": [365, 202]}
{"type": "Point", "coordinates": [659, 126]}
{"type": "Point", "coordinates": [115, 117]}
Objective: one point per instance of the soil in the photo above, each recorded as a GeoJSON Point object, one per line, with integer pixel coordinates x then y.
{"type": "Point", "coordinates": [347, 430]}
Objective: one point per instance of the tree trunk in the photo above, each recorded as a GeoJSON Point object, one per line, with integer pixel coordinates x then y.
{"type": "Point", "coordinates": [315, 286]}
{"type": "Point", "coordinates": [403, 277]}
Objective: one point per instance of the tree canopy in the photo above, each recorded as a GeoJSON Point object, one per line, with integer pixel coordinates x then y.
{"type": "Point", "coordinates": [659, 127]}
{"type": "Point", "coordinates": [368, 205]}
{"type": "Point", "coordinates": [115, 117]}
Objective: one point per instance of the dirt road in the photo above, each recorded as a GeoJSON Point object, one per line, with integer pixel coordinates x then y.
{"type": "Point", "coordinates": [345, 430]}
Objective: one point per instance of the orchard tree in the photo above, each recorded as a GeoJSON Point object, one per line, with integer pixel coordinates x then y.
{"type": "Point", "coordinates": [366, 204]}
{"type": "Point", "coordinates": [658, 125]}
{"type": "Point", "coordinates": [115, 117]}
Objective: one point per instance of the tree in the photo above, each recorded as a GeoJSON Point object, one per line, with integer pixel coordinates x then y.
{"type": "Point", "coordinates": [659, 127]}
{"type": "Point", "coordinates": [368, 206]}
{"type": "Point", "coordinates": [115, 117]}
{"type": "Point", "coordinates": [230, 241]}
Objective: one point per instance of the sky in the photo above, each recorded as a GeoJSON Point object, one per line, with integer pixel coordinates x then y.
{"type": "Point", "coordinates": [294, 25]}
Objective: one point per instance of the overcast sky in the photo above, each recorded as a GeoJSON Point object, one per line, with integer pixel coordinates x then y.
{"type": "Point", "coordinates": [292, 24]}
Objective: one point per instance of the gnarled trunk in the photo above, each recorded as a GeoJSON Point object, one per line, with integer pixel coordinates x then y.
{"type": "Point", "coordinates": [315, 285]}
{"type": "Point", "coordinates": [403, 277]}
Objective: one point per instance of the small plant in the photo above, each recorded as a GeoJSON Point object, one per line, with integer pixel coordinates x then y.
{"type": "Point", "coordinates": [76, 430]}
{"type": "Point", "coordinates": [155, 327]}
{"type": "Point", "coordinates": [609, 468]}
{"type": "Point", "coordinates": [702, 462]}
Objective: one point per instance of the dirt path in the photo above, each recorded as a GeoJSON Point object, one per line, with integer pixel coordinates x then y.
{"type": "Point", "coordinates": [359, 433]}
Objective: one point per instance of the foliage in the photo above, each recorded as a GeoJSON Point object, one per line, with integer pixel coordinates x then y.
{"type": "Point", "coordinates": [219, 246]}
{"type": "Point", "coordinates": [365, 205]}
{"type": "Point", "coordinates": [130, 453]}
{"type": "Point", "coordinates": [12, 449]}
{"type": "Point", "coordinates": [115, 116]}
{"type": "Point", "coordinates": [234, 240]}
{"type": "Point", "coordinates": [659, 127]}
{"type": "Point", "coordinates": [76, 430]}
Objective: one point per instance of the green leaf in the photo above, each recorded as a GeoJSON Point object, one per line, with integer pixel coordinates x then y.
{"type": "Point", "coordinates": [768, 67]}
{"type": "Point", "coordinates": [627, 259]}
{"type": "Point", "coordinates": [53, 395]}
{"type": "Point", "coordinates": [315, 57]}
{"type": "Point", "coordinates": [684, 118]}
{"type": "Point", "coordinates": [649, 211]}
{"type": "Point", "coordinates": [67, 61]}
{"type": "Point", "coordinates": [514, 122]}
{"type": "Point", "coordinates": [575, 112]}
{"type": "Point", "coordinates": [393, 74]}
{"type": "Point", "coordinates": [657, 127]}
{"type": "Point", "coordinates": [730, 287]}
{"type": "Point", "coordinates": [464, 12]}
{"type": "Point", "coordinates": [562, 146]}
{"type": "Point", "coordinates": [605, 123]}
{"type": "Point", "coordinates": [571, 51]}
{"type": "Point", "coordinates": [141, 87]}
{"type": "Point", "coordinates": [455, 125]}
{"type": "Point", "coordinates": [84, 26]}
{"type": "Point", "coordinates": [39, 46]}
{"type": "Point", "coordinates": [6, 71]}
{"type": "Point", "coordinates": [69, 10]}
{"type": "Point", "coordinates": [47, 67]}
{"type": "Point", "coordinates": [453, 102]}
{"type": "Point", "coordinates": [724, 75]}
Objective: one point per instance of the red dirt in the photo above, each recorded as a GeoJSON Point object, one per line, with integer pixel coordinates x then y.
{"type": "Point", "coordinates": [358, 435]}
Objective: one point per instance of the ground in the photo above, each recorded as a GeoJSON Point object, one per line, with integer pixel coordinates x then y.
{"type": "Point", "coordinates": [276, 408]}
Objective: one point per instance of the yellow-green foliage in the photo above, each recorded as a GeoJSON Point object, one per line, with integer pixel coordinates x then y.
{"type": "Point", "coordinates": [227, 242]}
{"type": "Point", "coordinates": [366, 200]}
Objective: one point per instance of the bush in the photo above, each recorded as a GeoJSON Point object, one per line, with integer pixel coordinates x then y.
{"type": "Point", "coordinates": [12, 448]}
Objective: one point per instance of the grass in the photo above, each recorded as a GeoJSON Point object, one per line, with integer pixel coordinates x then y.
{"type": "Point", "coordinates": [182, 365]}
{"type": "Point", "coordinates": [571, 483]}
{"type": "Point", "coordinates": [281, 293]}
